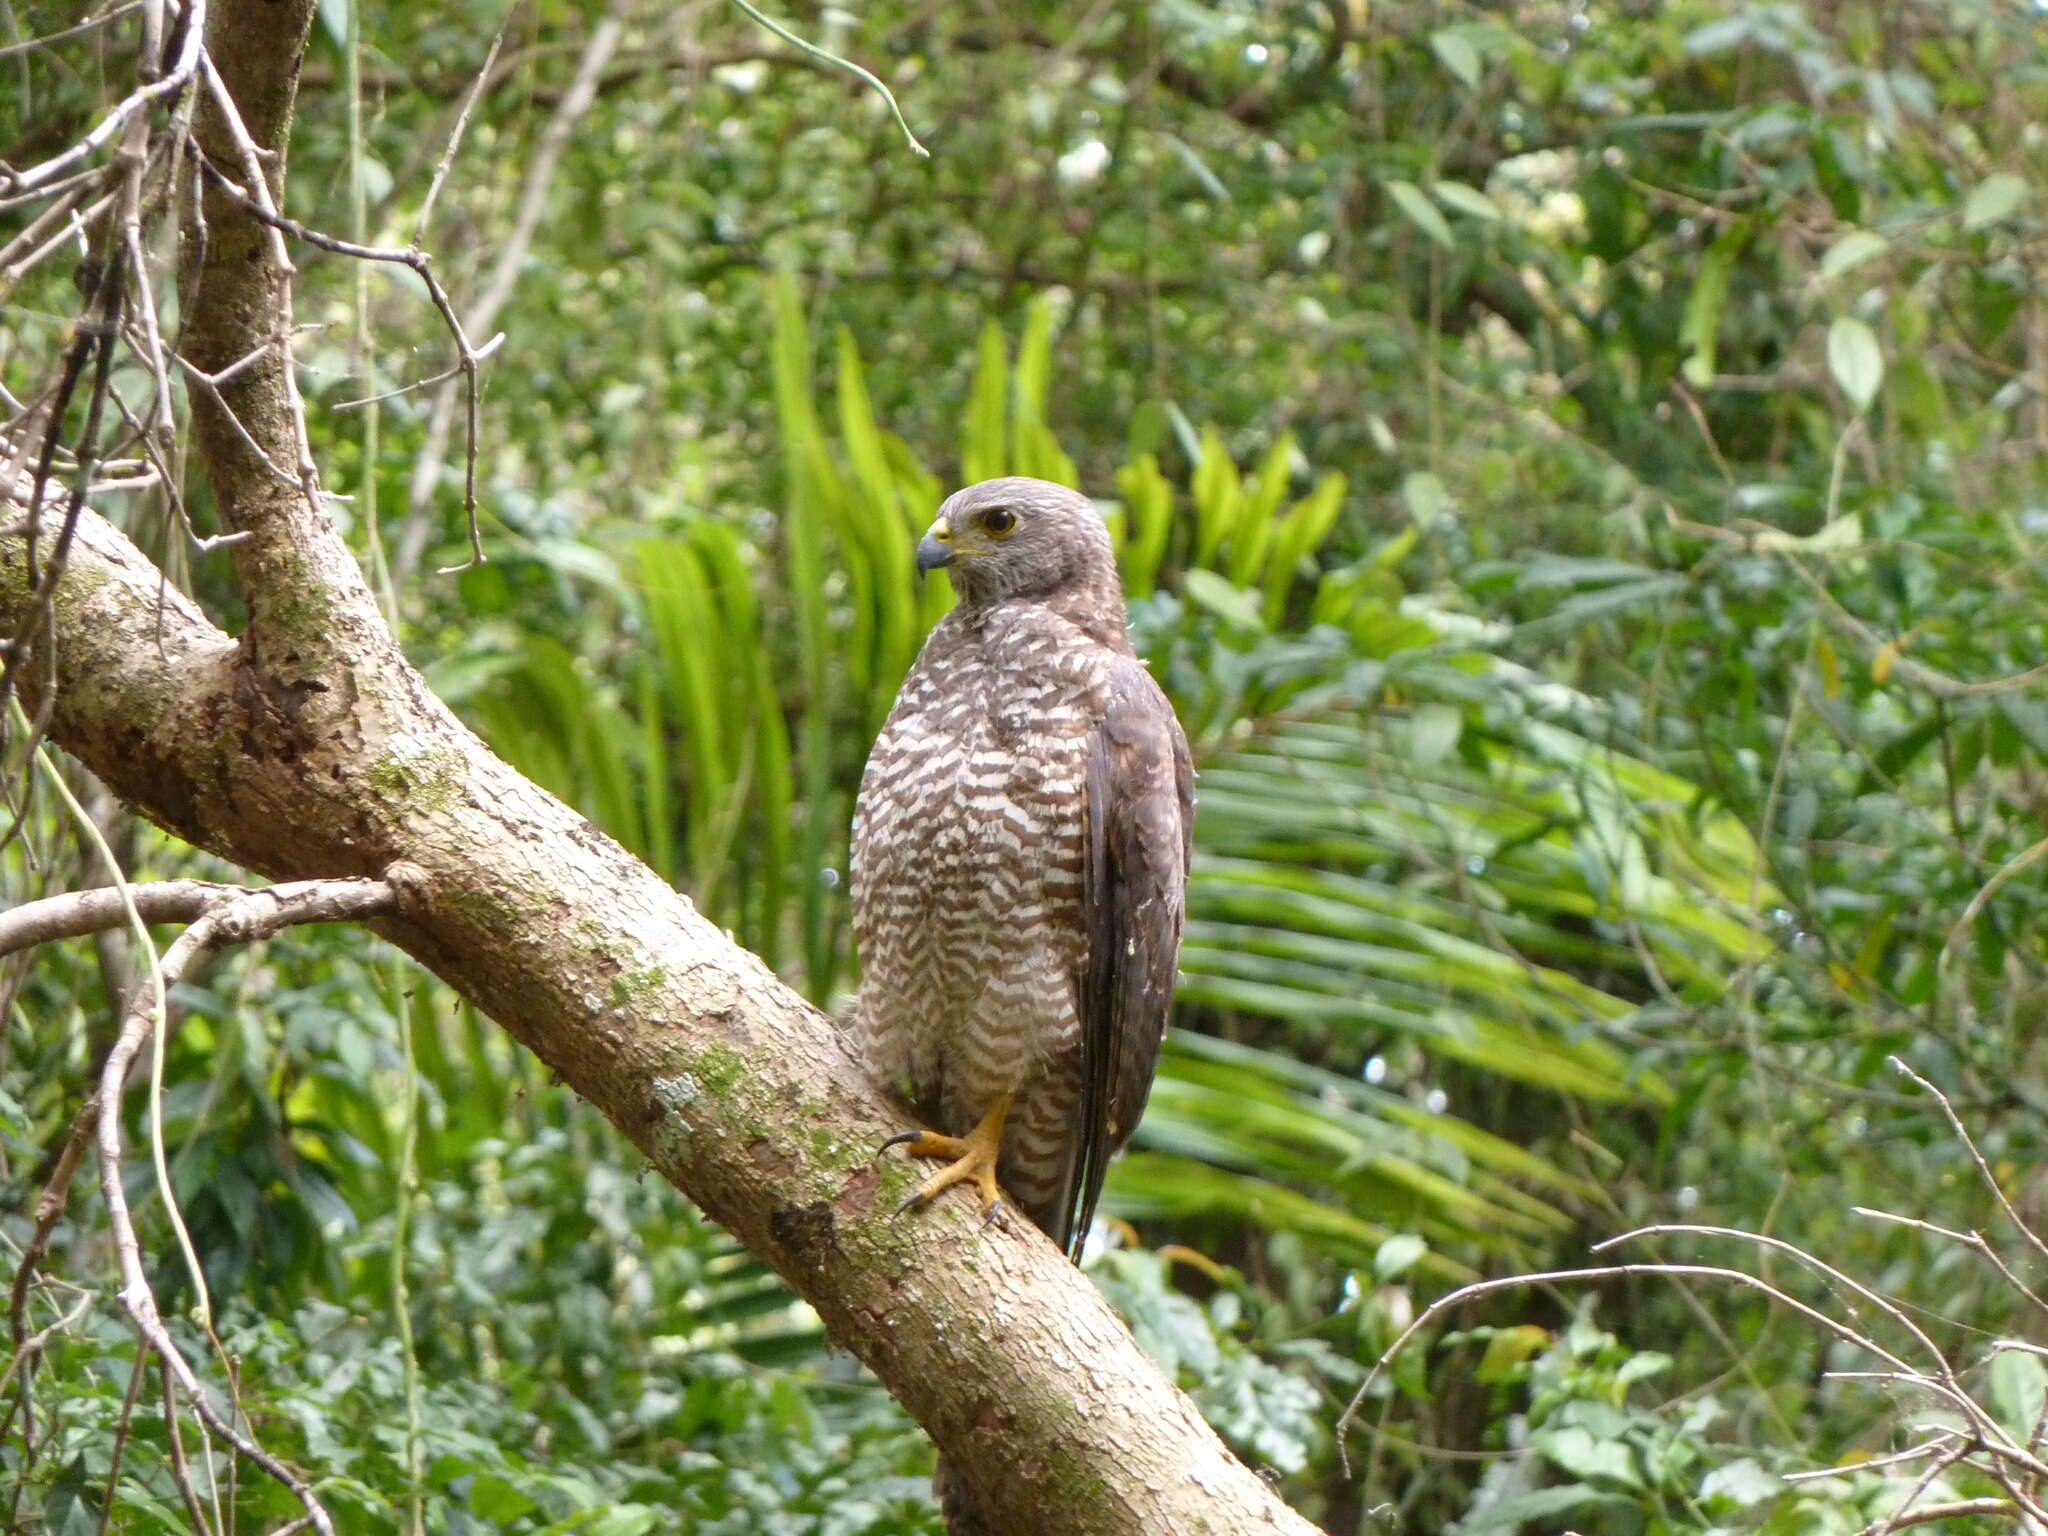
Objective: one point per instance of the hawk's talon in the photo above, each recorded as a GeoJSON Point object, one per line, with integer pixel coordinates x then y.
{"type": "Point", "coordinates": [898, 1140]}
{"type": "Point", "coordinates": [973, 1157]}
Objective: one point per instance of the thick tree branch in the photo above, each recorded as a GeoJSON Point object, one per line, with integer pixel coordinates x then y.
{"type": "Point", "coordinates": [311, 749]}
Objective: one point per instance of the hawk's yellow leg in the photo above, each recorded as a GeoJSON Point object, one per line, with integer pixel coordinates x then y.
{"type": "Point", "coordinates": [974, 1157]}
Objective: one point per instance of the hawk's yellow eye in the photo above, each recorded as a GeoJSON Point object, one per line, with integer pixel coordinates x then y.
{"type": "Point", "coordinates": [999, 521]}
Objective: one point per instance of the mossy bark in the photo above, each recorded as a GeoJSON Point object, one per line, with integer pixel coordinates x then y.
{"type": "Point", "coordinates": [309, 747]}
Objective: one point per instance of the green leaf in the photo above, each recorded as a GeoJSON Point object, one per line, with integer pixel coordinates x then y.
{"type": "Point", "coordinates": [1544, 1504]}
{"type": "Point", "coordinates": [1232, 604]}
{"type": "Point", "coordinates": [1396, 1256]}
{"type": "Point", "coordinates": [1700, 329]}
{"type": "Point", "coordinates": [1994, 199]}
{"type": "Point", "coordinates": [984, 449]}
{"type": "Point", "coordinates": [492, 1498]}
{"type": "Point", "coordinates": [1456, 53]}
{"type": "Point", "coordinates": [1641, 1367]}
{"type": "Point", "coordinates": [1469, 200]}
{"type": "Point", "coordinates": [1421, 212]}
{"type": "Point", "coordinates": [1433, 730]}
{"type": "Point", "coordinates": [1508, 1349]}
{"type": "Point", "coordinates": [1856, 361]}
{"type": "Point", "coordinates": [2019, 1391]}
{"type": "Point", "coordinates": [1580, 1453]}
{"type": "Point", "coordinates": [1741, 1482]}
{"type": "Point", "coordinates": [1851, 251]}
{"type": "Point", "coordinates": [1426, 497]}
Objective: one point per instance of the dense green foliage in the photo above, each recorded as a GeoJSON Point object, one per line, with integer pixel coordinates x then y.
{"type": "Point", "coordinates": [1577, 471]}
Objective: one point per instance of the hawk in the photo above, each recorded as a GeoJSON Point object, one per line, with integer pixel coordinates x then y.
{"type": "Point", "coordinates": [1020, 858]}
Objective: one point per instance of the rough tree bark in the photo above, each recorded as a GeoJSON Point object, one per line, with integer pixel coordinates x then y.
{"type": "Point", "coordinates": [308, 747]}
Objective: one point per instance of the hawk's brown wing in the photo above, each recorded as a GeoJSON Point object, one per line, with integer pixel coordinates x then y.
{"type": "Point", "coordinates": [1141, 798]}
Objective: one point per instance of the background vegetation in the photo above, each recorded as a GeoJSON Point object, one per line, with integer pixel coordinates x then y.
{"type": "Point", "coordinates": [1578, 472]}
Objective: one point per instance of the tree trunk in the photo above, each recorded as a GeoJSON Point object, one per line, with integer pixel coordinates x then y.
{"type": "Point", "coordinates": [308, 747]}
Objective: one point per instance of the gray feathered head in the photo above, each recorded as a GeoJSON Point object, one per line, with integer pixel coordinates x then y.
{"type": "Point", "coordinates": [1020, 538]}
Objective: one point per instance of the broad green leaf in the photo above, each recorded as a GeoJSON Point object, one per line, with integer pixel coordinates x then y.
{"type": "Point", "coordinates": [1456, 53]}
{"type": "Point", "coordinates": [1851, 251]}
{"type": "Point", "coordinates": [1396, 1256]}
{"type": "Point", "coordinates": [2019, 1392]}
{"type": "Point", "coordinates": [1433, 730]}
{"type": "Point", "coordinates": [1856, 361]}
{"type": "Point", "coordinates": [496, 1500]}
{"type": "Point", "coordinates": [1507, 1349]}
{"type": "Point", "coordinates": [984, 450]}
{"type": "Point", "coordinates": [1643, 1366]}
{"type": "Point", "coordinates": [1426, 497]}
{"type": "Point", "coordinates": [1994, 199]}
{"type": "Point", "coordinates": [1700, 329]}
{"type": "Point", "coordinates": [1579, 1452]}
{"type": "Point", "coordinates": [1542, 1505]}
{"type": "Point", "coordinates": [1742, 1482]}
{"type": "Point", "coordinates": [1469, 200]}
{"type": "Point", "coordinates": [1421, 212]}
{"type": "Point", "coordinates": [1232, 604]}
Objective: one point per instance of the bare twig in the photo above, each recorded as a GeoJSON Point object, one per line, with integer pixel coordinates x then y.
{"type": "Point", "coordinates": [127, 108]}
{"type": "Point", "coordinates": [137, 1374]}
{"type": "Point", "coordinates": [1478, 1288]}
{"type": "Point", "coordinates": [1896, 1459]}
{"type": "Point", "coordinates": [1903, 667]}
{"type": "Point", "coordinates": [476, 91]}
{"type": "Point", "coordinates": [26, 1349]}
{"type": "Point", "coordinates": [410, 256]}
{"type": "Point", "coordinates": [2018, 864]}
{"type": "Point", "coordinates": [42, 234]}
{"type": "Point", "coordinates": [240, 918]}
{"type": "Point", "coordinates": [1927, 1514]}
{"type": "Point", "coordinates": [1890, 1308]}
{"type": "Point", "coordinates": [1971, 1240]}
{"type": "Point", "coordinates": [825, 56]}
{"type": "Point", "coordinates": [90, 24]}
{"type": "Point", "coordinates": [1977, 1157]}
{"type": "Point", "coordinates": [511, 260]}
{"type": "Point", "coordinates": [181, 1471]}
{"type": "Point", "coordinates": [77, 913]}
{"type": "Point", "coordinates": [442, 377]}
{"type": "Point", "coordinates": [49, 1210]}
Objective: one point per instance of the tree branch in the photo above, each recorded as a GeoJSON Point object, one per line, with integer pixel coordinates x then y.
{"type": "Point", "coordinates": [240, 917]}
{"type": "Point", "coordinates": [81, 912]}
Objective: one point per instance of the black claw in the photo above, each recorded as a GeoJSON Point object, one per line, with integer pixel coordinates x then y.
{"type": "Point", "coordinates": [901, 1139]}
{"type": "Point", "coordinates": [916, 1198]}
{"type": "Point", "coordinates": [993, 1217]}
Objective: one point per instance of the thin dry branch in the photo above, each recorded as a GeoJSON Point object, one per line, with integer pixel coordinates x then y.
{"type": "Point", "coordinates": [127, 110]}
{"type": "Point", "coordinates": [77, 913]}
{"type": "Point", "coordinates": [1927, 1514]}
{"type": "Point", "coordinates": [219, 914]}
{"type": "Point", "coordinates": [410, 256]}
{"type": "Point", "coordinates": [241, 917]}
{"type": "Point", "coordinates": [1903, 667]}
{"type": "Point", "coordinates": [1478, 1288]}
{"type": "Point", "coordinates": [90, 24]}
{"type": "Point", "coordinates": [1975, 1241]}
{"type": "Point", "coordinates": [1970, 1145]}
{"type": "Point", "coordinates": [510, 261]}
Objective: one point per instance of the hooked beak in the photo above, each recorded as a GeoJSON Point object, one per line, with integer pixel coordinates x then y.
{"type": "Point", "coordinates": [934, 550]}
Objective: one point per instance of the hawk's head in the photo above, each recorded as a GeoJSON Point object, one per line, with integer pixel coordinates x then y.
{"type": "Point", "coordinates": [1018, 538]}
